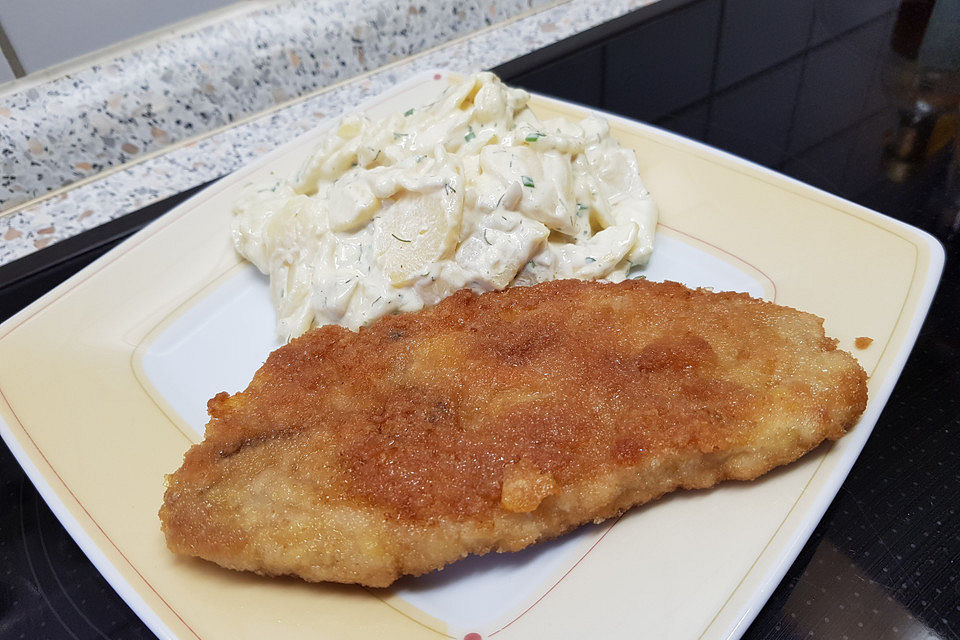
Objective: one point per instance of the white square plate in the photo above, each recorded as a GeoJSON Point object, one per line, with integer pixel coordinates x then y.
{"type": "Point", "coordinates": [104, 382]}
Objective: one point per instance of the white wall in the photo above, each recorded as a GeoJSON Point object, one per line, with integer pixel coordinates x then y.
{"type": "Point", "coordinates": [47, 32]}
{"type": "Point", "coordinates": [6, 73]}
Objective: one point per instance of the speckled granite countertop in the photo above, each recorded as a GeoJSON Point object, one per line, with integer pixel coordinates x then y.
{"type": "Point", "coordinates": [117, 134]}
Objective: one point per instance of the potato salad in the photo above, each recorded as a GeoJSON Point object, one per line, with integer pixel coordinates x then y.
{"type": "Point", "coordinates": [470, 191]}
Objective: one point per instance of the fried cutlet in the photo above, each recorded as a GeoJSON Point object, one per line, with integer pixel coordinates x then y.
{"type": "Point", "coordinates": [491, 422]}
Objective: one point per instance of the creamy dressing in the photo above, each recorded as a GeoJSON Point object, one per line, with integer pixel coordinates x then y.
{"type": "Point", "coordinates": [470, 191]}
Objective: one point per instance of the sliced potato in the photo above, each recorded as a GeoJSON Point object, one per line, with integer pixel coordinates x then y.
{"type": "Point", "coordinates": [417, 230]}
{"type": "Point", "coordinates": [351, 204]}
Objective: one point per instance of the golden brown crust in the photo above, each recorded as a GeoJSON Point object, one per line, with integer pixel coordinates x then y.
{"type": "Point", "coordinates": [492, 421]}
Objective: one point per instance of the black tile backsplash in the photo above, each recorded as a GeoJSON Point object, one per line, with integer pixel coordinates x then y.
{"type": "Point", "coordinates": [785, 83]}
{"type": "Point", "coordinates": [757, 34]}
{"type": "Point", "coordinates": [839, 78]}
{"type": "Point", "coordinates": [833, 17]}
{"type": "Point", "coordinates": [663, 65]}
{"type": "Point", "coordinates": [577, 78]}
{"type": "Point", "coordinates": [760, 131]}
{"type": "Point", "coordinates": [691, 122]}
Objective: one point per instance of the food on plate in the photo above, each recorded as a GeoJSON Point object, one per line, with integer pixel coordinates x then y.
{"type": "Point", "coordinates": [491, 422]}
{"type": "Point", "coordinates": [471, 191]}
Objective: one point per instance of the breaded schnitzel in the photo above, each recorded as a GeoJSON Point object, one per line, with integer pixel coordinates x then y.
{"type": "Point", "coordinates": [491, 422]}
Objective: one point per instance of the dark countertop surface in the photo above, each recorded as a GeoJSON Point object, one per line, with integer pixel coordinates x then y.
{"type": "Point", "coordinates": [857, 98]}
